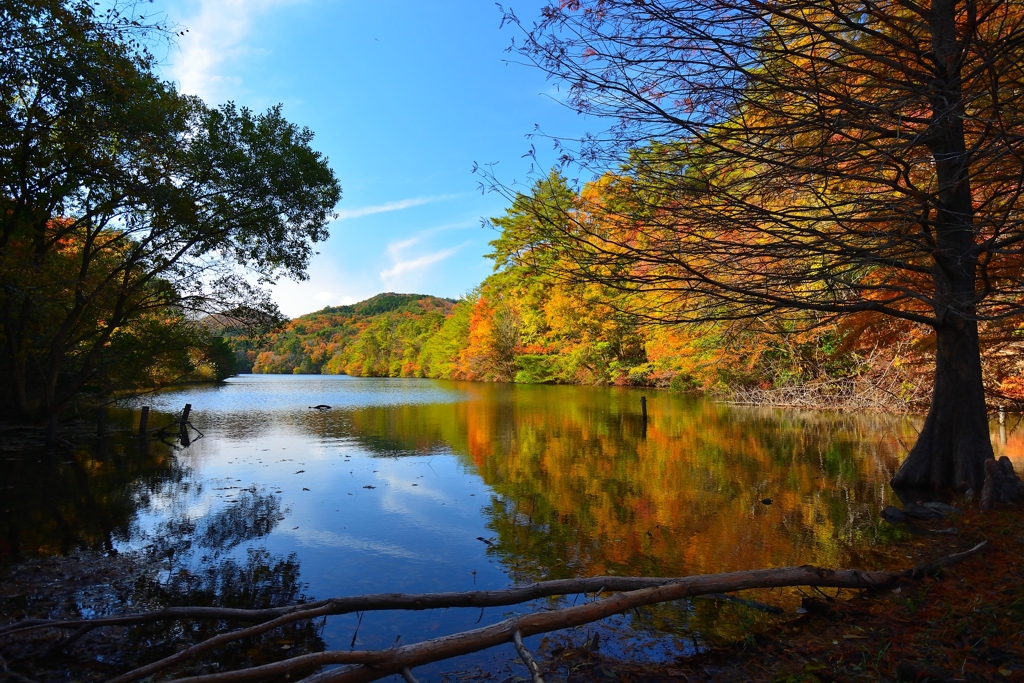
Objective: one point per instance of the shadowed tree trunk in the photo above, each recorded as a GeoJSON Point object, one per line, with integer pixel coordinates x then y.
{"type": "Point", "coordinates": [954, 443]}
{"type": "Point", "coordinates": [951, 450]}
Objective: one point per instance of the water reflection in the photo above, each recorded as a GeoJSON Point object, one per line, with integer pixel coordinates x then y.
{"type": "Point", "coordinates": [394, 486]}
{"type": "Point", "coordinates": [99, 497]}
{"type": "Point", "coordinates": [251, 516]}
{"type": "Point", "coordinates": [57, 500]}
{"type": "Point", "coordinates": [582, 485]}
{"type": "Point", "coordinates": [708, 489]}
{"type": "Point", "coordinates": [259, 579]}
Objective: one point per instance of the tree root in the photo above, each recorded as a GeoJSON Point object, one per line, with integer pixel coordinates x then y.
{"type": "Point", "coordinates": [1002, 485]}
{"type": "Point", "coordinates": [370, 665]}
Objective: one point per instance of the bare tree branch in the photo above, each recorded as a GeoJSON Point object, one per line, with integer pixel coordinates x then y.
{"type": "Point", "coordinates": [370, 665]}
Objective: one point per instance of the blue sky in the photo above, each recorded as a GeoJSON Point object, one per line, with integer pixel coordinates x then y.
{"type": "Point", "coordinates": [403, 97]}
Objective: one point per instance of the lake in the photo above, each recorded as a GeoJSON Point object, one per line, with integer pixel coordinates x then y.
{"type": "Point", "coordinates": [423, 485]}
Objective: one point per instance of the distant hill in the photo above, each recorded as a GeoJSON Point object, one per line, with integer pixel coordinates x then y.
{"type": "Point", "coordinates": [380, 303]}
{"type": "Point", "coordinates": [379, 337]}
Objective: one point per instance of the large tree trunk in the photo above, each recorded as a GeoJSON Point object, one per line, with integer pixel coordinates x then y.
{"type": "Point", "coordinates": [954, 443]}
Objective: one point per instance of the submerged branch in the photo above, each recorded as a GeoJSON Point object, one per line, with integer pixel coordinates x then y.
{"type": "Point", "coordinates": [372, 602]}
{"type": "Point", "coordinates": [369, 665]}
{"type": "Point", "coordinates": [528, 660]}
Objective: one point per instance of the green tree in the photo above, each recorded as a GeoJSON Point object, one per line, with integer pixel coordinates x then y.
{"type": "Point", "coordinates": [127, 209]}
{"type": "Point", "coordinates": [219, 354]}
{"type": "Point", "coordinates": [441, 354]}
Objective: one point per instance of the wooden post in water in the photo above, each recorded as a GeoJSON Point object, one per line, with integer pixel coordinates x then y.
{"type": "Point", "coordinates": [101, 433]}
{"type": "Point", "coordinates": [143, 421]}
{"type": "Point", "coordinates": [183, 425]}
{"type": "Point", "coordinates": [1002, 425]}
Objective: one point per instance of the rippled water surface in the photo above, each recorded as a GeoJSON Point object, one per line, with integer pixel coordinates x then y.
{"type": "Point", "coordinates": [422, 485]}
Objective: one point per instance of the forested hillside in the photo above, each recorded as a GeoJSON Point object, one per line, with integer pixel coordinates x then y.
{"type": "Point", "coordinates": [380, 337]}
{"type": "Point", "coordinates": [533, 322]}
{"type": "Point", "coordinates": [529, 323]}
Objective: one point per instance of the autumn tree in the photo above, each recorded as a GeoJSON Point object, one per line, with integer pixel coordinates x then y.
{"type": "Point", "coordinates": [773, 157]}
{"type": "Point", "coordinates": [567, 330]}
{"type": "Point", "coordinates": [127, 210]}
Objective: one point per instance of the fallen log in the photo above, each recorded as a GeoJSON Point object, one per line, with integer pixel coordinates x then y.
{"type": "Point", "coordinates": [360, 603]}
{"type": "Point", "coordinates": [370, 665]}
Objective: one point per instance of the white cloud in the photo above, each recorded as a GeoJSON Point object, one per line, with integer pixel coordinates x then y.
{"type": "Point", "coordinates": [409, 259]}
{"type": "Point", "coordinates": [394, 249]}
{"type": "Point", "coordinates": [332, 539]}
{"type": "Point", "coordinates": [345, 214]}
{"type": "Point", "coordinates": [216, 34]}
{"type": "Point", "coordinates": [389, 275]}
{"type": "Point", "coordinates": [332, 299]}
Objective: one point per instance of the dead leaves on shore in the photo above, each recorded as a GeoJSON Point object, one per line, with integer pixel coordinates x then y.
{"type": "Point", "coordinates": [966, 625]}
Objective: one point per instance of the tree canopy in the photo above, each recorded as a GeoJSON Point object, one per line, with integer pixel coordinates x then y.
{"type": "Point", "coordinates": [130, 210]}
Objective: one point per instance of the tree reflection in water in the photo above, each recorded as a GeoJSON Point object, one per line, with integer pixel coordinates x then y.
{"type": "Point", "coordinates": [260, 580]}
{"type": "Point", "coordinates": [251, 516]}
{"type": "Point", "coordinates": [582, 486]}
{"type": "Point", "coordinates": [56, 501]}
{"type": "Point", "coordinates": [568, 480]}
{"type": "Point", "coordinates": [199, 565]}
{"type": "Point", "coordinates": [77, 505]}
{"type": "Point", "coordinates": [90, 585]}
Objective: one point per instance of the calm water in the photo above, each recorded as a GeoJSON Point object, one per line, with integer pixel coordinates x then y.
{"type": "Point", "coordinates": [394, 487]}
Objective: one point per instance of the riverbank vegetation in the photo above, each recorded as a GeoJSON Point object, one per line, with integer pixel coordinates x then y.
{"type": "Point", "coordinates": [538, 320]}
{"type": "Point", "coordinates": [811, 168]}
{"type": "Point", "coordinates": [804, 158]}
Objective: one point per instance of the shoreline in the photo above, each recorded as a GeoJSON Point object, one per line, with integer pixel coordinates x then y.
{"type": "Point", "coordinates": [732, 396]}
